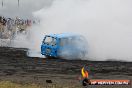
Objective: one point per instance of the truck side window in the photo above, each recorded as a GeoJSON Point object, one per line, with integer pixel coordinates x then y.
{"type": "Point", "coordinates": [63, 41]}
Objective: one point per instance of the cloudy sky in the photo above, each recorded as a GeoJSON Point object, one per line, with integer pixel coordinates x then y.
{"type": "Point", "coordinates": [10, 7]}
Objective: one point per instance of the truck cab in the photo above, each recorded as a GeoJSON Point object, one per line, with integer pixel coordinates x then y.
{"type": "Point", "coordinates": [63, 46]}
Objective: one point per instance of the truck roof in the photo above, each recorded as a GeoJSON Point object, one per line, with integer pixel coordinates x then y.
{"type": "Point", "coordinates": [62, 35]}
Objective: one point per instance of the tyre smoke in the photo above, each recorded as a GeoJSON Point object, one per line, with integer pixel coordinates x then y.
{"type": "Point", "coordinates": [105, 23]}
{"type": "Point", "coordinates": [73, 47]}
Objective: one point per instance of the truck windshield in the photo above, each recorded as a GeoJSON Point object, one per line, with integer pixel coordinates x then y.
{"type": "Point", "coordinates": [50, 40]}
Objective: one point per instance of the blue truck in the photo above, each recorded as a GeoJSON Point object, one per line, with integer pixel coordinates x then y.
{"type": "Point", "coordinates": [65, 45]}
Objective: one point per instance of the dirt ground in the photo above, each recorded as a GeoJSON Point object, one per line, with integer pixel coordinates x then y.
{"type": "Point", "coordinates": [17, 67]}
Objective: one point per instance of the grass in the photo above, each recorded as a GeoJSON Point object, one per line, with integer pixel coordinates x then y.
{"type": "Point", "coordinates": [8, 84]}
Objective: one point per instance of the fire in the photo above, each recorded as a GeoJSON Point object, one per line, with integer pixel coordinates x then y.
{"type": "Point", "coordinates": [84, 73]}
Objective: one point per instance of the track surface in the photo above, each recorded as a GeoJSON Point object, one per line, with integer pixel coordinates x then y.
{"type": "Point", "coordinates": [16, 66]}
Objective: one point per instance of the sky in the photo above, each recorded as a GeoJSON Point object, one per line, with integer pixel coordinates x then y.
{"type": "Point", "coordinates": [26, 7]}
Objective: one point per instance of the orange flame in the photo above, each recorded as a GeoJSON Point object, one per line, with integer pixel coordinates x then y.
{"type": "Point", "coordinates": [84, 73]}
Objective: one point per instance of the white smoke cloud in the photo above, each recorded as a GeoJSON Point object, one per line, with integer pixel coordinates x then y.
{"type": "Point", "coordinates": [105, 23]}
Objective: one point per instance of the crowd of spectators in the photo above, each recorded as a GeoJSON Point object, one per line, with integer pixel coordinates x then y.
{"type": "Point", "coordinates": [9, 26]}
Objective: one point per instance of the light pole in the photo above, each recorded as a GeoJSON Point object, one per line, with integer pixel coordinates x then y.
{"type": "Point", "coordinates": [2, 3]}
{"type": "Point", "coordinates": [18, 3]}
